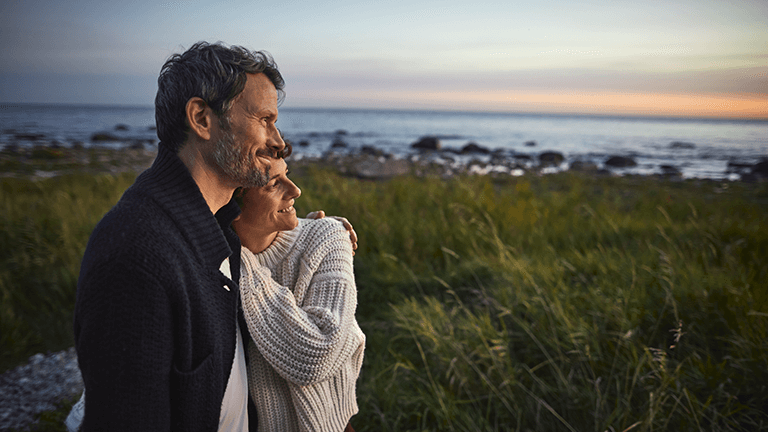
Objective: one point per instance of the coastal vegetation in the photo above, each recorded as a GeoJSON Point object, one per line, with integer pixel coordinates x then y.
{"type": "Point", "coordinates": [567, 302]}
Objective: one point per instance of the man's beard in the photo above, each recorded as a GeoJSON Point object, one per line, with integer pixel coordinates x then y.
{"type": "Point", "coordinates": [235, 162]}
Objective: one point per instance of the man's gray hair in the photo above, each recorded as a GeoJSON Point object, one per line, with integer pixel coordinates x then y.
{"type": "Point", "coordinates": [213, 72]}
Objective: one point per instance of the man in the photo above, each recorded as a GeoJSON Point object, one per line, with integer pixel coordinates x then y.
{"type": "Point", "coordinates": [156, 317]}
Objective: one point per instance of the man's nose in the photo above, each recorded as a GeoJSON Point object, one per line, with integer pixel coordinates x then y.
{"type": "Point", "coordinates": [276, 143]}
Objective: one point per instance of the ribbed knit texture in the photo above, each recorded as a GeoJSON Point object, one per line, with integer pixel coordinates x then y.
{"type": "Point", "coordinates": [306, 350]}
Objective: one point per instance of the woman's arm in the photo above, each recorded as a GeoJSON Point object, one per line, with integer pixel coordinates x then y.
{"type": "Point", "coordinates": [306, 342]}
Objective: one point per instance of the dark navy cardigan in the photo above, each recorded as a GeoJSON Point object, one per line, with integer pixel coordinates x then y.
{"type": "Point", "coordinates": [155, 318]}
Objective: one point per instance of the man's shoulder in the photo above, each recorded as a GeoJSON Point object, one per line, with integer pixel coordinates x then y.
{"type": "Point", "coordinates": [136, 224]}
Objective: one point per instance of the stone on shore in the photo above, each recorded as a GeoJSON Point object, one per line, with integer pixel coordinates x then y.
{"type": "Point", "coordinates": [670, 171]}
{"type": "Point", "coordinates": [473, 147]}
{"type": "Point", "coordinates": [338, 143]}
{"type": "Point", "coordinates": [760, 168]}
{"type": "Point", "coordinates": [373, 151]}
{"type": "Point", "coordinates": [427, 143]}
{"type": "Point", "coordinates": [551, 158]}
{"type": "Point", "coordinates": [104, 136]}
{"type": "Point", "coordinates": [620, 162]}
{"type": "Point", "coordinates": [583, 166]}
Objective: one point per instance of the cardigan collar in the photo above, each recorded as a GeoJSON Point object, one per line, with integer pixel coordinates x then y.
{"type": "Point", "coordinates": [169, 183]}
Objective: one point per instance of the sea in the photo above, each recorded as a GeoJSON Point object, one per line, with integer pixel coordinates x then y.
{"type": "Point", "coordinates": [694, 148]}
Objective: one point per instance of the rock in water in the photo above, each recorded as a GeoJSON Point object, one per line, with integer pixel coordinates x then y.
{"type": "Point", "coordinates": [427, 143]}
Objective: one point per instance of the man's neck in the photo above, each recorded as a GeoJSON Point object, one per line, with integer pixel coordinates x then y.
{"type": "Point", "coordinates": [215, 191]}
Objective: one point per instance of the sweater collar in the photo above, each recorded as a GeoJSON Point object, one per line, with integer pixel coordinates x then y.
{"type": "Point", "coordinates": [278, 250]}
{"type": "Point", "coordinates": [169, 183]}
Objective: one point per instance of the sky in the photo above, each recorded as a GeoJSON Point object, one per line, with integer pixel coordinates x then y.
{"type": "Point", "coordinates": [700, 58]}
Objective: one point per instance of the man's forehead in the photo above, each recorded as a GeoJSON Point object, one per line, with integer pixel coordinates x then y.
{"type": "Point", "coordinates": [259, 94]}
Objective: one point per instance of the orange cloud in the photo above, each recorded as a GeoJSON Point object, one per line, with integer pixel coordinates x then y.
{"type": "Point", "coordinates": [611, 103]}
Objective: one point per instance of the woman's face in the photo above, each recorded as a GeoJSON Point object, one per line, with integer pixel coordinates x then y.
{"type": "Point", "coordinates": [270, 209]}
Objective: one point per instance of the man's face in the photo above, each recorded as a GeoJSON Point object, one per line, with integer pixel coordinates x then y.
{"type": "Point", "coordinates": [247, 136]}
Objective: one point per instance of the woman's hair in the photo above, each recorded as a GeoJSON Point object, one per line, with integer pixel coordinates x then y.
{"type": "Point", "coordinates": [213, 72]}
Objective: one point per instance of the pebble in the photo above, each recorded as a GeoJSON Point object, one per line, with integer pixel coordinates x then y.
{"type": "Point", "coordinates": [37, 386]}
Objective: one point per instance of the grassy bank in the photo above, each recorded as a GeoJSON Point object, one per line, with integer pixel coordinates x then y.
{"type": "Point", "coordinates": [562, 302]}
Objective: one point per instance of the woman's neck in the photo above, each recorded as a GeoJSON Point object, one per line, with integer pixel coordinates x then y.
{"type": "Point", "coordinates": [254, 241]}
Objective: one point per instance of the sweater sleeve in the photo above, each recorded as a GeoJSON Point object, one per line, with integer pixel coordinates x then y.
{"type": "Point", "coordinates": [308, 342]}
{"type": "Point", "coordinates": [123, 335]}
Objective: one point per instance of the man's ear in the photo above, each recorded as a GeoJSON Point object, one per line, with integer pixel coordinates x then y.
{"type": "Point", "coordinates": [199, 118]}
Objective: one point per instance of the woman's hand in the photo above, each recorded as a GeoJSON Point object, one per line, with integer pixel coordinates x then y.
{"type": "Point", "coordinates": [352, 234]}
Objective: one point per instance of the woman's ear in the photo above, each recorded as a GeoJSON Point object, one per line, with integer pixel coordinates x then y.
{"type": "Point", "coordinates": [199, 118]}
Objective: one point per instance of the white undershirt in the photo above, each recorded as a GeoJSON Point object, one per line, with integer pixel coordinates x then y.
{"type": "Point", "coordinates": [234, 407]}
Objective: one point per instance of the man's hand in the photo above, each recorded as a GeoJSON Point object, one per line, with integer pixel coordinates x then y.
{"type": "Point", "coordinates": [352, 234]}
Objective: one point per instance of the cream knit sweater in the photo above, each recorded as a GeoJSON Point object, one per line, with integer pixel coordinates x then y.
{"type": "Point", "coordinates": [306, 349]}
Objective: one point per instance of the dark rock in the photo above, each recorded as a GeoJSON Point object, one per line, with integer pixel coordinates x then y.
{"type": "Point", "coordinates": [56, 144]}
{"type": "Point", "coordinates": [77, 145]}
{"type": "Point", "coordinates": [761, 168]}
{"type": "Point", "coordinates": [670, 170]}
{"type": "Point", "coordinates": [136, 145]}
{"type": "Point", "coordinates": [121, 127]}
{"type": "Point", "coordinates": [152, 128]}
{"type": "Point", "coordinates": [474, 148]}
{"type": "Point", "coordinates": [341, 132]}
{"type": "Point", "coordinates": [303, 143]}
{"type": "Point", "coordinates": [681, 145]}
{"type": "Point", "coordinates": [372, 151]}
{"type": "Point", "coordinates": [427, 143]}
{"type": "Point", "coordinates": [29, 136]}
{"type": "Point", "coordinates": [580, 165]}
{"type": "Point", "coordinates": [522, 156]}
{"type": "Point", "coordinates": [620, 162]}
{"type": "Point", "coordinates": [104, 136]}
{"type": "Point", "coordinates": [338, 143]}
{"type": "Point", "coordinates": [530, 143]}
{"type": "Point", "coordinates": [551, 158]}
{"type": "Point", "coordinates": [738, 167]}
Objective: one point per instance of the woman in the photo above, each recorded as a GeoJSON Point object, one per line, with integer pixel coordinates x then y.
{"type": "Point", "coordinates": [299, 298]}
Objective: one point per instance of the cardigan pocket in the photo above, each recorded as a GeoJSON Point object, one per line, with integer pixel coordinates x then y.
{"type": "Point", "coordinates": [194, 408]}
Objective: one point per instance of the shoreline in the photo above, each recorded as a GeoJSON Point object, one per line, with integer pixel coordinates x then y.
{"type": "Point", "coordinates": [42, 161]}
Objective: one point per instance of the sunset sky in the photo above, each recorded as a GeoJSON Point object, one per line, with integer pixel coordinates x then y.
{"type": "Point", "coordinates": [681, 58]}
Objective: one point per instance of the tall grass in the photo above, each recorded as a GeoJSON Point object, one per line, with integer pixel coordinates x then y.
{"type": "Point", "coordinates": [535, 303]}
{"type": "Point", "coordinates": [559, 303]}
{"type": "Point", "coordinates": [44, 227]}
